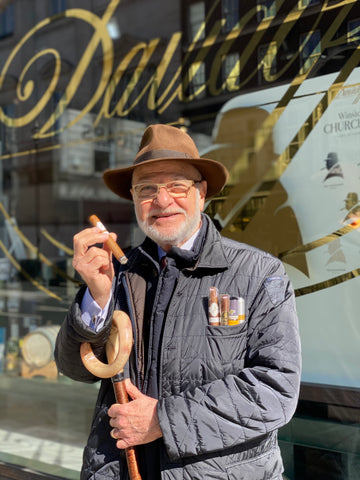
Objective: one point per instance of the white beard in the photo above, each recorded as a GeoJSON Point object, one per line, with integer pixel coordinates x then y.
{"type": "Point", "coordinates": [180, 234]}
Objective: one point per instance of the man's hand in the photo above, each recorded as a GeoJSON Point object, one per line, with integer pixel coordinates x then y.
{"type": "Point", "coordinates": [136, 422]}
{"type": "Point", "coordinates": [94, 264]}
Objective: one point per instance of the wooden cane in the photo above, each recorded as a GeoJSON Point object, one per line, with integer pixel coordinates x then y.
{"type": "Point", "coordinates": [118, 348]}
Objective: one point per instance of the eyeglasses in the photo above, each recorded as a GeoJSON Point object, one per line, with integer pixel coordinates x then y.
{"type": "Point", "coordinates": [176, 189]}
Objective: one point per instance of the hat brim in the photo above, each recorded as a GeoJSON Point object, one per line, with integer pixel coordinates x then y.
{"type": "Point", "coordinates": [118, 180]}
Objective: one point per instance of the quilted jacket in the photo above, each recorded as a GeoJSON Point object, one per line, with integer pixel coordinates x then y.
{"type": "Point", "coordinates": [224, 391]}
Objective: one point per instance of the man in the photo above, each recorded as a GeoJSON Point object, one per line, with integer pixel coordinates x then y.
{"type": "Point", "coordinates": [207, 400]}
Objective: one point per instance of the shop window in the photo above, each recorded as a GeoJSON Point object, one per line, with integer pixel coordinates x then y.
{"type": "Point", "coordinates": [101, 161]}
{"type": "Point", "coordinates": [267, 62]}
{"type": "Point", "coordinates": [56, 98]}
{"type": "Point", "coordinates": [7, 23]}
{"type": "Point", "coordinates": [310, 45]}
{"type": "Point", "coordinates": [305, 3]}
{"type": "Point", "coordinates": [7, 135]}
{"type": "Point", "coordinates": [197, 80]}
{"type": "Point", "coordinates": [197, 21]}
{"type": "Point", "coordinates": [58, 6]}
{"type": "Point", "coordinates": [231, 71]}
{"type": "Point", "coordinates": [354, 31]}
{"type": "Point", "coordinates": [266, 9]}
{"type": "Point", "coordinates": [230, 14]}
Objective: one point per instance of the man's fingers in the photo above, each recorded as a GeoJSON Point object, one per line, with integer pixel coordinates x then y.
{"type": "Point", "coordinates": [94, 261]}
{"type": "Point", "coordinates": [88, 238]}
{"type": "Point", "coordinates": [132, 391]}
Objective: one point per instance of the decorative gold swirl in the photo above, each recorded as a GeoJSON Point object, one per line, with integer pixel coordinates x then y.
{"type": "Point", "coordinates": [321, 241]}
{"type": "Point", "coordinates": [24, 92]}
{"type": "Point", "coordinates": [33, 249]}
{"type": "Point", "coordinates": [55, 242]}
{"type": "Point", "coordinates": [26, 275]}
{"type": "Point", "coordinates": [331, 282]}
{"type": "Point", "coordinates": [100, 36]}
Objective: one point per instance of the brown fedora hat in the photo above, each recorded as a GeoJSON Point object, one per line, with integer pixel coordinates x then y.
{"type": "Point", "coordinates": [163, 142]}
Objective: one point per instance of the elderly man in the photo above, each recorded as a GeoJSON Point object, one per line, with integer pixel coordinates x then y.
{"type": "Point", "coordinates": [206, 400]}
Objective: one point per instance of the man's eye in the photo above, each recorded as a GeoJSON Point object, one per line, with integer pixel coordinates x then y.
{"type": "Point", "coordinates": [147, 189]}
{"type": "Point", "coordinates": [177, 185]}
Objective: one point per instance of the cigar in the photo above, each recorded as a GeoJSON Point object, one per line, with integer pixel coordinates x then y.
{"type": "Point", "coordinates": [114, 247]}
{"type": "Point", "coordinates": [224, 309]}
{"type": "Point", "coordinates": [237, 310]}
{"type": "Point", "coordinates": [214, 318]}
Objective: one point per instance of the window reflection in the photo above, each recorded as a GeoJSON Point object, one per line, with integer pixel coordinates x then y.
{"type": "Point", "coordinates": [262, 87]}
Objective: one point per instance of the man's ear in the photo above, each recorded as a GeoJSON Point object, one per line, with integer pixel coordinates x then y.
{"type": "Point", "coordinates": [203, 191]}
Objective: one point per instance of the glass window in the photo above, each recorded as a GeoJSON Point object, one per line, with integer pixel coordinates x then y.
{"type": "Point", "coordinates": [267, 55]}
{"type": "Point", "coordinates": [266, 9]}
{"type": "Point", "coordinates": [231, 71]}
{"type": "Point", "coordinates": [311, 49]}
{"type": "Point", "coordinates": [230, 14]}
{"type": "Point", "coordinates": [58, 6]}
{"type": "Point", "coordinates": [7, 20]}
{"type": "Point", "coordinates": [197, 80]}
{"type": "Point", "coordinates": [197, 20]}
{"type": "Point", "coordinates": [77, 91]}
{"type": "Point", "coordinates": [304, 3]}
{"type": "Point", "coordinates": [354, 31]}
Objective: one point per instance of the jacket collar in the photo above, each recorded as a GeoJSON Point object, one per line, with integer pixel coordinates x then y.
{"type": "Point", "coordinates": [211, 255]}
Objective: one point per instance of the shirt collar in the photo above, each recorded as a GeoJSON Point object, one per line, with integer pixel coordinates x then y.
{"type": "Point", "coordinates": [185, 246]}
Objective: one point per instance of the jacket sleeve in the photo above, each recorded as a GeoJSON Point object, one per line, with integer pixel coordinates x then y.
{"type": "Point", "coordinates": [238, 409]}
{"type": "Point", "coordinates": [72, 334]}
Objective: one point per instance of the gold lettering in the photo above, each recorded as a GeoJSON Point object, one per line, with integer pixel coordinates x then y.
{"type": "Point", "coordinates": [195, 66]}
{"type": "Point", "coordinates": [287, 25]}
{"type": "Point", "coordinates": [179, 90]}
{"type": "Point", "coordinates": [25, 91]}
{"type": "Point", "coordinates": [101, 35]}
{"type": "Point", "coordinates": [175, 88]}
{"type": "Point", "coordinates": [148, 50]}
{"type": "Point", "coordinates": [161, 69]}
{"type": "Point", "coordinates": [238, 197]}
{"type": "Point", "coordinates": [216, 67]}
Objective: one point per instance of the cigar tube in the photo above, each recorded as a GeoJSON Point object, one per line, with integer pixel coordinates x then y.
{"type": "Point", "coordinates": [114, 247]}
{"type": "Point", "coordinates": [241, 310]}
{"type": "Point", "coordinates": [224, 309]}
{"type": "Point", "coordinates": [237, 310]}
{"type": "Point", "coordinates": [214, 318]}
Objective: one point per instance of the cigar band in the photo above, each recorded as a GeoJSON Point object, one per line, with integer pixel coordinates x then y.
{"type": "Point", "coordinates": [214, 310]}
{"type": "Point", "coordinates": [101, 226]}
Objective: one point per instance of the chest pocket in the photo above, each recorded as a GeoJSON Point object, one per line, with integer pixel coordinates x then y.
{"type": "Point", "coordinates": [226, 348]}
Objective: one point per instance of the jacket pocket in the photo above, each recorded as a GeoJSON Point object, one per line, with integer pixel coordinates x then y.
{"type": "Point", "coordinates": [267, 466]}
{"type": "Point", "coordinates": [115, 470]}
{"type": "Point", "coordinates": [226, 346]}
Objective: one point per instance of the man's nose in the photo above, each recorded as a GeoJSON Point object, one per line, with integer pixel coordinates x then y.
{"type": "Point", "coordinates": [163, 197]}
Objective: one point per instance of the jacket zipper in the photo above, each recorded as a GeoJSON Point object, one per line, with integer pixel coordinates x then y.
{"type": "Point", "coordinates": [150, 346]}
{"type": "Point", "coordinates": [176, 289]}
{"type": "Point", "coordinates": [126, 287]}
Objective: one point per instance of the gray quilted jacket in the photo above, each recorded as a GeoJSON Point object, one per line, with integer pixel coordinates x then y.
{"type": "Point", "coordinates": [224, 390]}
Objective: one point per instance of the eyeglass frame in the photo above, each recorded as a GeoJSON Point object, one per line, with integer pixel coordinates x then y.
{"type": "Point", "coordinates": [164, 185]}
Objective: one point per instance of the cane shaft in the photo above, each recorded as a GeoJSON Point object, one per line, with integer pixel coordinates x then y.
{"type": "Point", "coordinates": [122, 397]}
{"type": "Point", "coordinates": [118, 348]}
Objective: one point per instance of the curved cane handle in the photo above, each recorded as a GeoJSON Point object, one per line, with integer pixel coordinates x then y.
{"type": "Point", "coordinates": [118, 348]}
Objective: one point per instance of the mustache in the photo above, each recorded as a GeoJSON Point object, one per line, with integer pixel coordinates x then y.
{"type": "Point", "coordinates": [164, 213]}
